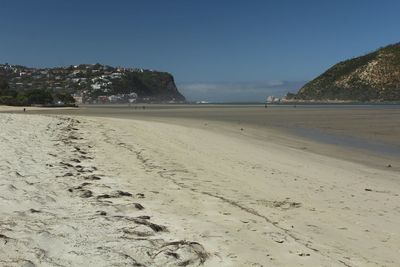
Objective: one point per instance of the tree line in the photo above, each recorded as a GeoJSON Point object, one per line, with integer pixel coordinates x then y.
{"type": "Point", "coordinates": [9, 96]}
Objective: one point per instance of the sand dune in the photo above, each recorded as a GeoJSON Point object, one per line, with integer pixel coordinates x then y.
{"type": "Point", "coordinates": [110, 192]}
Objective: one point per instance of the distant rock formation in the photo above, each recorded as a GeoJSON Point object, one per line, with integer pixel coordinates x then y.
{"type": "Point", "coordinates": [372, 77]}
{"type": "Point", "coordinates": [91, 81]}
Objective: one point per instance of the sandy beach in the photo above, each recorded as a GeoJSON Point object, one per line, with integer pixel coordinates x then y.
{"type": "Point", "coordinates": [200, 134]}
{"type": "Point", "coordinates": [101, 191]}
{"type": "Point", "coordinates": [366, 134]}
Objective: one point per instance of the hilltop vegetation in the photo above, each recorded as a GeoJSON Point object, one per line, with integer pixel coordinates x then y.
{"type": "Point", "coordinates": [87, 83]}
{"type": "Point", "coordinates": [10, 96]}
{"type": "Point", "coordinates": [372, 77]}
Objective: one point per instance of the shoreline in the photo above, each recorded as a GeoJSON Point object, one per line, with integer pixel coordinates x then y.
{"type": "Point", "coordinates": [362, 135]}
{"type": "Point", "coordinates": [225, 198]}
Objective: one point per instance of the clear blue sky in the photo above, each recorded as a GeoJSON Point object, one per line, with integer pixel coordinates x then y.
{"type": "Point", "coordinates": [199, 42]}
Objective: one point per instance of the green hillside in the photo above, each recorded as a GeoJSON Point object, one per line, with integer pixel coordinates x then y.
{"type": "Point", "coordinates": [372, 77]}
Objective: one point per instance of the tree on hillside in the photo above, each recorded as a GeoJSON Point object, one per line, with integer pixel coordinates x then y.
{"type": "Point", "coordinates": [36, 96]}
{"type": "Point", "coordinates": [7, 95]}
{"type": "Point", "coordinates": [65, 98]}
{"type": "Point", "coordinates": [3, 84]}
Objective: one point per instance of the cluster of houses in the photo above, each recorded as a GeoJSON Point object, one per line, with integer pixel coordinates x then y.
{"type": "Point", "coordinates": [276, 100]}
{"type": "Point", "coordinates": [80, 80]}
{"type": "Point", "coordinates": [273, 100]}
{"type": "Point", "coordinates": [104, 81]}
{"type": "Point", "coordinates": [119, 98]}
{"type": "Point", "coordinates": [103, 99]}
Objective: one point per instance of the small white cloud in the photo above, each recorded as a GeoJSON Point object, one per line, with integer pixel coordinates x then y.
{"type": "Point", "coordinates": [199, 87]}
{"type": "Point", "coordinates": [275, 83]}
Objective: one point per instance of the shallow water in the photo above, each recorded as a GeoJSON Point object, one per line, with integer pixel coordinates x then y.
{"type": "Point", "coordinates": [348, 141]}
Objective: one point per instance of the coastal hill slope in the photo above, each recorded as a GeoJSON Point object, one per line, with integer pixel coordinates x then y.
{"type": "Point", "coordinates": [372, 77]}
{"type": "Point", "coordinates": [92, 82]}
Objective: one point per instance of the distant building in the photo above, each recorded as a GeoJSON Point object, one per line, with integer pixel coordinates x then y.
{"type": "Point", "coordinates": [78, 99]}
{"type": "Point", "coordinates": [271, 99]}
{"type": "Point", "coordinates": [102, 99]}
{"type": "Point", "coordinates": [116, 75]}
{"type": "Point", "coordinates": [96, 86]}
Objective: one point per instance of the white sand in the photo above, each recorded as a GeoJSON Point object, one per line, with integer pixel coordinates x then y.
{"type": "Point", "coordinates": [220, 196]}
